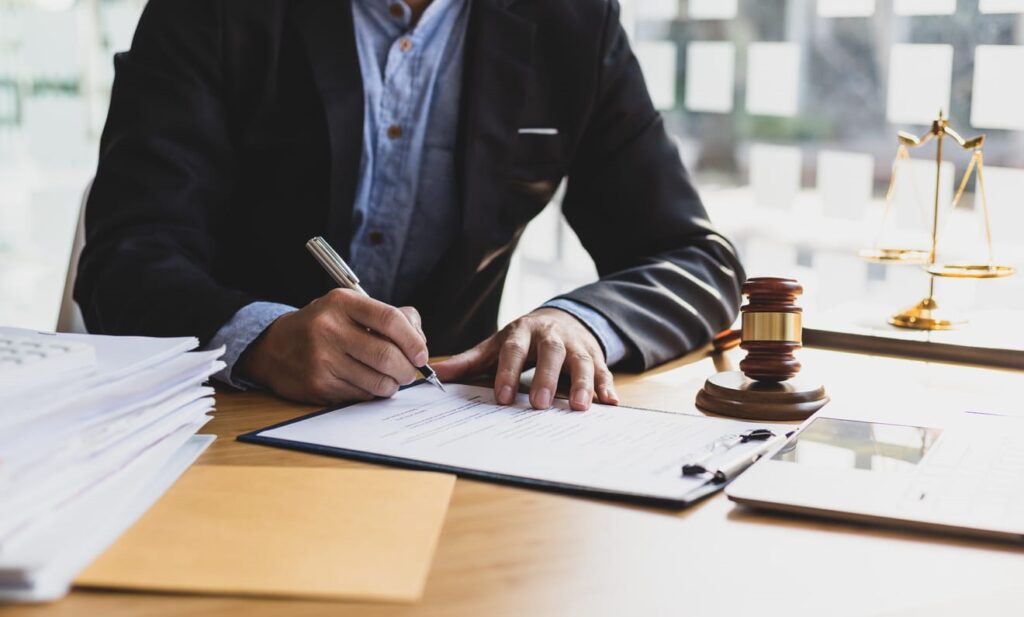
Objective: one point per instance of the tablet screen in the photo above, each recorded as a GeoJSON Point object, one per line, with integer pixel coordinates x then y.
{"type": "Point", "coordinates": [849, 444]}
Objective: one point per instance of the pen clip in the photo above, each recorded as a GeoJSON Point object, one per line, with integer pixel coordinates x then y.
{"type": "Point", "coordinates": [757, 434]}
{"type": "Point", "coordinates": [336, 259]}
{"type": "Point", "coordinates": [345, 268]}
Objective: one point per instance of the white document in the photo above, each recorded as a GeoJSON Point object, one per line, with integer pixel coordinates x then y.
{"type": "Point", "coordinates": [104, 404]}
{"type": "Point", "coordinates": [117, 357]}
{"type": "Point", "coordinates": [83, 453]}
{"type": "Point", "coordinates": [53, 491]}
{"type": "Point", "coordinates": [28, 361]}
{"type": "Point", "coordinates": [615, 450]}
{"type": "Point", "coordinates": [42, 567]}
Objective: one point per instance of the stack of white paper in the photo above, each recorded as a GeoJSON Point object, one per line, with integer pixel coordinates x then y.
{"type": "Point", "coordinates": [83, 453]}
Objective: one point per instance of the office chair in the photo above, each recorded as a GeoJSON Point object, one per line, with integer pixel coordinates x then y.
{"type": "Point", "coordinates": [70, 316]}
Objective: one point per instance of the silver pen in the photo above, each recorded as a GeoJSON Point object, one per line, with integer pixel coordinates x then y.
{"type": "Point", "coordinates": [729, 469]}
{"type": "Point", "coordinates": [345, 277]}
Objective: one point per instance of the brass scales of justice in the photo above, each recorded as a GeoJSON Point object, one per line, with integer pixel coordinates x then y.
{"type": "Point", "coordinates": [926, 314]}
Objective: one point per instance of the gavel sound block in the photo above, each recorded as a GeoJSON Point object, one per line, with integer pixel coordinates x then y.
{"type": "Point", "coordinates": [766, 386]}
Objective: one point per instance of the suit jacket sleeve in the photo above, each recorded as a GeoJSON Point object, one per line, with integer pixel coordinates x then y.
{"type": "Point", "coordinates": [669, 281]}
{"type": "Point", "coordinates": [161, 190]}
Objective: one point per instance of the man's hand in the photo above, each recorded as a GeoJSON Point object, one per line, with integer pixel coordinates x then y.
{"type": "Point", "coordinates": [340, 347]}
{"type": "Point", "coordinates": [557, 342]}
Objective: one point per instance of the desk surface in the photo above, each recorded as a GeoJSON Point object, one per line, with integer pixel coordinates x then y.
{"type": "Point", "coordinates": [514, 552]}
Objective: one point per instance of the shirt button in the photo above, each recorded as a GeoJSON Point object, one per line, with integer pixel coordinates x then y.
{"type": "Point", "coordinates": [376, 238]}
{"type": "Point", "coordinates": [405, 44]}
{"type": "Point", "coordinates": [394, 131]}
{"type": "Point", "coordinates": [396, 10]}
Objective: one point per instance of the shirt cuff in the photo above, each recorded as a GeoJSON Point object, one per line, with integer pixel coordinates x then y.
{"type": "Point", "coordinates": [239, 332]}
{"type": "Point", "coordinates": [607, 335]}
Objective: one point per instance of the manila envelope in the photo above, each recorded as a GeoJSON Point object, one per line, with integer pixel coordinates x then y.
{"type": "Point", "coordinates": [353, 534]}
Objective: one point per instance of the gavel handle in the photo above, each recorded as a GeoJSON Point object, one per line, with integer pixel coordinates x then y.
{"type": "Point", "coordinates": [721, 343]}
{"type": "Point", "coordinates": [726, 339]}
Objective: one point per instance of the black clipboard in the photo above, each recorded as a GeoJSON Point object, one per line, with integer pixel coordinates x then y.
{"type": "Point", "coordinates": [708, 488]}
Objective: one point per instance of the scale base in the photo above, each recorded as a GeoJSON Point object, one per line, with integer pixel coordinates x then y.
{"type": "Point", "coordinates": [926, 315]}
{"type": "Point", "coordinates": [734, 394]}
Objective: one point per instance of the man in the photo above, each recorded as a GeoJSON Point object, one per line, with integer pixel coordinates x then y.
{"type": "Point", "coordinates": [419, 137]}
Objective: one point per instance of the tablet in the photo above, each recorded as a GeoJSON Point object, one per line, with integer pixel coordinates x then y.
{"type": "Point", "coordinates": [962, 479]}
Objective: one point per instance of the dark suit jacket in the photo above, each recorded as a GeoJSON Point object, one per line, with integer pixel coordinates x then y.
{"type": "Point", "coordinates": [234, 136]}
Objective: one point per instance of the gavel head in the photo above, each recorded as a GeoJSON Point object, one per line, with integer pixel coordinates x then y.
{"type": "Point", "coordinates": [771, 329]}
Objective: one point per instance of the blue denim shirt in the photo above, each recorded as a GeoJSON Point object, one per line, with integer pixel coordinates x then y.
{"type": "Point", "coordinates": [412, 78]}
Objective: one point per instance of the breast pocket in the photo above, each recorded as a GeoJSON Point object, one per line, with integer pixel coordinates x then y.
{"type": "Point", "coordinates": [538, 147]}
{"type": "Point", "coordinates": [538, 165]}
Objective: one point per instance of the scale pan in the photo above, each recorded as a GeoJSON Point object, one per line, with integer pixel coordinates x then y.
{"type": "Point", "coordinates": [970, 271]}
{"type": "Point", "coordinates": [902, 256]}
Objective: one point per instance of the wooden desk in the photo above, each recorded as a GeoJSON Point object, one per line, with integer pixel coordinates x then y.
{"type": "Point", "coordinates": [523, 553]}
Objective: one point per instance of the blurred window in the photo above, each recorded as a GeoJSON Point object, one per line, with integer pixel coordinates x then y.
{"type": "Point", "coordinates": [785, 111]}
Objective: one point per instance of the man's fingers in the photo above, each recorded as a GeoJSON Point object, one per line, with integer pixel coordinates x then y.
{"type": "Point", "coordinates": [550, 356]}
{"type": "Point", "coordinates": [414, 318]}
{"type": "Point", "coordinates": [604, 385]}
{"type": "Point", "coordinates": [381, 355]}
{"type": "Point", "coordinates": [512, 355]}
{"type": "Point", "coordinates": [367, 379]}
{"type": "Point", "coordinates": [581, 371]}
{"type": "Point", "coordinates": [473, 361]}
{"type": "Point", "coordinates": [339, 390]}
{"type": "Point", "coordinates": [392, 324]}
{"type": "Point", "coordinates": [330, 384]}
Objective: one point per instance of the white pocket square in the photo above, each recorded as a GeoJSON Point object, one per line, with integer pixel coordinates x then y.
{"type": "Point", "coordinates": [538, 131]}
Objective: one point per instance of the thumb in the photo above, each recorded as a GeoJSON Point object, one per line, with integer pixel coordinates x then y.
{"type": "Point", "coordinates": [468, 363]}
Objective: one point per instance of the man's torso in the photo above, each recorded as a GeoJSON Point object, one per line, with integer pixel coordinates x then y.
{"type": "Point", "coordinates": [294, 104]}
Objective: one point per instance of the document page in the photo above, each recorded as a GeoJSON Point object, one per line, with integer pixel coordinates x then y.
{"type": "Point", "coordinates": [619, 450]}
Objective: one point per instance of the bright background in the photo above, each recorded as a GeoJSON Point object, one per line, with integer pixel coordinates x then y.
{"type": "Point", "coordinates": [785, 111]}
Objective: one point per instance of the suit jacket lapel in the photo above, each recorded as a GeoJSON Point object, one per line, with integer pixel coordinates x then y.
{"type": "Point", "coordinates": [499, 61]}
{"type": "Point", "coordinates": [326, 28]}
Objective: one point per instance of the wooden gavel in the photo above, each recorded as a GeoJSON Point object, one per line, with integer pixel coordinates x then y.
{"type": "Point", "coordinates": [764, 388]}
{"type": "Point", "coordinates": [771, 329]}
